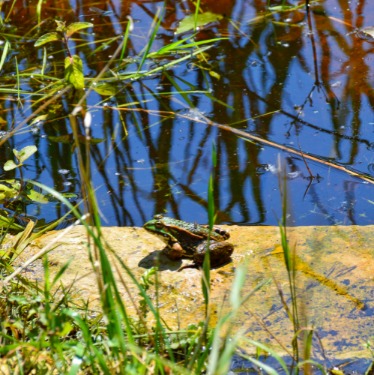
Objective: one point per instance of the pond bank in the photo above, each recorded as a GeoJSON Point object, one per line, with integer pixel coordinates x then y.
{"type": "Point", "coordinates": [334, 281]}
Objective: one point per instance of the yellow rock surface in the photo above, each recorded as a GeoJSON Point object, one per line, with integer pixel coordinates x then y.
{"type": "Point", "coordinates": [334, 273]}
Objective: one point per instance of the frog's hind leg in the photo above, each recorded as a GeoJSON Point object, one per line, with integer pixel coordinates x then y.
{"type": "Point", "coordinates": [190, 265]}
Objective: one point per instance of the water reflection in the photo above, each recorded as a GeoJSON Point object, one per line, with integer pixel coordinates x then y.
{"type": "Point", "coordinates": [300, 79]}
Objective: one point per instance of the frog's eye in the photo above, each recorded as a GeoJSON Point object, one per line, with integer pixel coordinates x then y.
{"type": "Point", "coordinates": [158, 217]}
{"type": "Point", "coordinates": [159, 225]}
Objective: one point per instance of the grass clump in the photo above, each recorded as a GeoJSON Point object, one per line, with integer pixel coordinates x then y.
{"type": "Point", "coordinates": [44, 329]}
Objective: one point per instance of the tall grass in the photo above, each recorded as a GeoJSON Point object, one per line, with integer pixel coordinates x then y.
{"type": "Point", "coordinates": [289, 254]}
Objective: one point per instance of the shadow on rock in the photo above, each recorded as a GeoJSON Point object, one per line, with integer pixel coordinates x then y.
{"type": "Point", "coordinates": [158, 259]}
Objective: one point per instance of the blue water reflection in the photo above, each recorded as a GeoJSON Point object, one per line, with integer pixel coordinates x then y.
{"type": "Point", "coordinates": [296, 79]}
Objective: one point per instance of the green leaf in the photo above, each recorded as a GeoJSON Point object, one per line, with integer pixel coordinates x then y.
{"type": "Point", "coordinates": [277, 8]}
{"type": "Point", "coordinates": [66, 139]}
{"type": "Point", "coordinates": [60, 26]}
{"type": "Point", "coordinates": [7, 190]}
{"type": "Point", "coordinates": [35, 196]}
{"type": "Point", "coordinates": [76, 26]}
{"type": "Point", "coordinates": [8, 222]}
{"type": "Point", "coordinates": [69, 139]}
{"type": "Point", "coordinates": [25, 153]}
{"type": "Point", "coordinates": [12, 183]}
{"type": "Point", "coordinates": [9, 165]}
{"type": "Point", "coordinates": [190, 22]}
{"type": "Point", "coordinates": [74, 71]}
{"type": "Point", "coordinates": [70, 195]}
{"type": "Point", "coordinates": [105, 89]}
{"type": "Point", "coordinates": [214, 74]}
{"type": "Point", "coordinates": [38, 119]}
{"type": "Point", "coordinates": [46, 38]}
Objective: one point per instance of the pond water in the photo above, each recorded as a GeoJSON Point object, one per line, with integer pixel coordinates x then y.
{"type": "Point", "coordinates": [300, 82]}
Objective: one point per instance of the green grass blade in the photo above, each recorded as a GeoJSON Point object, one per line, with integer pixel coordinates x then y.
{"type": "Point", "coordinates": [179, 90]}
{"type": "Point", "coordinates": [10, 11]}
{"type": "Point", "coordinates": [44, 64]}
{"type": "Point", "coordinates": [272, 352]}
{"type": "Point", "coordinates": [151, 39]}
{"type": "Point", "coordinates": [95, 355]}
{"type": "Point", "coordinates": [237, 286]}
{"type": "Point", "coordinates": [314, 364]}
{"type": "Point", "coordinates": [60, 272]}
{"type": "Point", "coordinates": [39, 10]}
{"type": "Point", "coordinates": [196, 15]}
{"type": "Point", "coordinates": [153, 310]}
{"type": "Point", "coordinates": [211, 219]}
{"type": "Point", "coordinates": [18, 82]}
{"type": "Point", "coordinates": [126, 35]}
{"type": "Point", "coordinates": [4, 54]}
{"type": "Point", "coordinates": [269, 370]}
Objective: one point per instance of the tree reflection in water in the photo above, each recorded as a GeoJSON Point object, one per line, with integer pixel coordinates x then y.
{"type": "Point", "coordinates": [297, 78]}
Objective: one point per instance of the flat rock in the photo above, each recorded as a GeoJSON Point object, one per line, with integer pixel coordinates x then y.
{"type": "Point", "coordinates": [334, 281]}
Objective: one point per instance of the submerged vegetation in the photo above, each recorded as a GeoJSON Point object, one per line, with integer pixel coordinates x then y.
{"type": "Point", "coordinates": [75, 91]}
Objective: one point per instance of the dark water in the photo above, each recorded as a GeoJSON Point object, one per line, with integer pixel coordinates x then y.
{"type": "Point", "coordinates": [354, 366]}
{"type": "Point", "coordinates": [303, 80]}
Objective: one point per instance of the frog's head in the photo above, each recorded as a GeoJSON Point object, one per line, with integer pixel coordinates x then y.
{"type": "Point", "coordinates": [159, 227]}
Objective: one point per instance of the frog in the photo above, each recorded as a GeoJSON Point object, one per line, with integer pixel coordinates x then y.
{"type": "Point", "coordinates": [190, 241]}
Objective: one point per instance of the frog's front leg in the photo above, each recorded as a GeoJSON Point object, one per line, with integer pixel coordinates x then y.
{"type": "Point", "coordinates": [174, 251]}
